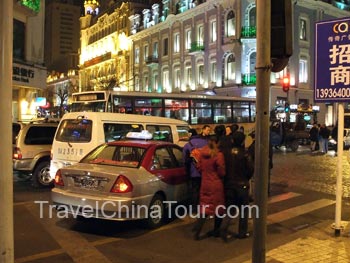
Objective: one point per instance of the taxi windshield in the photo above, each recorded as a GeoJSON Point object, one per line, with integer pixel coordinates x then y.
{"type": "Point", "coordinates": [117, 155]}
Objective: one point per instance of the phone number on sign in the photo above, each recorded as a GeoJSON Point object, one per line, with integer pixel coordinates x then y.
{"type": "Point", "coordinates": [333, 93]}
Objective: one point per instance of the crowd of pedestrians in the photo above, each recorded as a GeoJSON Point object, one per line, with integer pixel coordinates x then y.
{"type": "Point", "coordinates": [319, 138]}
{"type": "Point", "coordinates": [220, 169]}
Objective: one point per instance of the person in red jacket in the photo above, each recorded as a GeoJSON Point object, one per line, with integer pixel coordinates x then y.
{"type": "Point", "coordinates": [212, 166]}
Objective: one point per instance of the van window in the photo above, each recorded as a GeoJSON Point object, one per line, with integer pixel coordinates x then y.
{"type": "Point", "coordinates": [117, 131]}
{"type": "Point", "coordinates": [160, 132]}
{"type": "Point", "coordinates": [182, 131]}
{"type": "Point", "coordinates": [76, 130]}
{"type": "Point", "coordinates": [40, 135]}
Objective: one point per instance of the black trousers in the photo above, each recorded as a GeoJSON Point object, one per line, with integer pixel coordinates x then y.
{"type": "Point", "coordinates": [236, 197]}
{"type": "Point", "coordinates": [195, 190]}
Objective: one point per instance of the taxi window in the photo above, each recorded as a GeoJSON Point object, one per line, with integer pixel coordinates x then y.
{"type": "Point", "coordinates": [74, 130]}
{"type": "Point", "coordinates": [162, 159]}
{"type": "Point", "coordinates": [115, 155]}
{"type": "Point", "coordinates": [117, 131]}
{"type": "Point", "coordinates": [178, 156]}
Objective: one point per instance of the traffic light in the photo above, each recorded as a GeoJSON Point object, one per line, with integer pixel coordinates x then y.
{"type": "Point", "coordinates": [286, 84]}
{"type": "Point", "coordinates": [281, 33]}
{"type": "Point", "coordinates": [286, 107]}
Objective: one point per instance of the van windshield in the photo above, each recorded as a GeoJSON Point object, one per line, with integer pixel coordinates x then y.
{"type": "Point", "coordinates": [74, 130]}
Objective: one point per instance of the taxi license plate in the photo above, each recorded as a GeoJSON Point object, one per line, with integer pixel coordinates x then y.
{"type": "Point", "coordinates": [88, 183]}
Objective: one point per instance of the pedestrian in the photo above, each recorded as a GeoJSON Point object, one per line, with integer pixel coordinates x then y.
{"type": "Point", "coordinates": [313, 137]}
{"type": "Point", "coordinates": [212, 166]}
{"type": "Point", "coordinates": [324, 133]}
{"type": "Point", "coordinates": [196, 142]}
{"type": "Point", "coordinates": [236, 187]}
{"type": "Point", "coordinates": [206, 131]}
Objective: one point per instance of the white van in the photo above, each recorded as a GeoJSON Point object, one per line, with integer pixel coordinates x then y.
{"type": "Point", "coordinates": [80, 132]}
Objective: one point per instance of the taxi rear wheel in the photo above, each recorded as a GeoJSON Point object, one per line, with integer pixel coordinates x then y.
{"type": "Point", "coordinates": [156, 213]}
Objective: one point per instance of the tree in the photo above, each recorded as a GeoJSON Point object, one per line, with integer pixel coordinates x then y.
{"type": "Point", "coordinates": [60, 93]}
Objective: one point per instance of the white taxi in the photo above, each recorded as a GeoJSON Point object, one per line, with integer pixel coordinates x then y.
{"type": "Point", "coordinates": [123, 180]}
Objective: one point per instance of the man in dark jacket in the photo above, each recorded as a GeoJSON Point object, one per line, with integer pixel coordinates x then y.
{"type": "Point", "coordinates": [313, 137]}
{"type": "Point", "coordinates": [236, 186]}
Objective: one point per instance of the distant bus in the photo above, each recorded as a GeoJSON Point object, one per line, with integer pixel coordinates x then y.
{"type": "Point", "coordinates": [195, 109]}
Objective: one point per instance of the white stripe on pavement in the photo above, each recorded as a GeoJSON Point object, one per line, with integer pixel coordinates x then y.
{"type": "Point", "coordinates": [282, 197]}
{"type": "Point", "coordinates": [298, 210]}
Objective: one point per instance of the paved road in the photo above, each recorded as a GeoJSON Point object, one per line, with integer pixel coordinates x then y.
{"type": "Point", "coordinates": [302, 196]}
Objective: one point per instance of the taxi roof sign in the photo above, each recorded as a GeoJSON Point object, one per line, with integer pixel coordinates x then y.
{"type": "Point", "coordinates": [143, 135]}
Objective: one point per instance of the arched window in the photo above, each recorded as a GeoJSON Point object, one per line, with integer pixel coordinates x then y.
{"type": "Point", "coordinates": [252, 62]}
{"type": "Point", "coordinates": [230, 67]}
{"type": "Point", "coordinates": [252, 16]}
{"type": "Point", "coordinates": [230, 24]}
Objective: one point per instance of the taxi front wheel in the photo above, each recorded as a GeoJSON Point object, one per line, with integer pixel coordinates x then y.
{"type": "Point", "coordinates": [156, 208]}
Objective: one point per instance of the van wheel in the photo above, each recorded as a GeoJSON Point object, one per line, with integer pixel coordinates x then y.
{"type": "Point", "coordinates": [41, 175]}
{"type": "Point", "coordinates": [156, 213]}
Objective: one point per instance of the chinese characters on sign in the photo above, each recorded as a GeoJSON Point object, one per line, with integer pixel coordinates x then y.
{"type": "Point", "coordinates": [332, 61]}
{"type": "Point", "coordinates": [22, 74]}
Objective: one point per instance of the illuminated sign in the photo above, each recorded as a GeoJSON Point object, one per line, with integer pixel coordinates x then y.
{"type": "Point", "coordinates": [332, 61]}
{"type": "Point", "coordinates": [31, 4]}
{"type": "Point", "coordinates": [98, 59]}
{"type": "Point", "coordinates": [40, 101]}
{"type": "Point", "coordinates": [87, 97]}
{"type": "Point", "coordinates": [22, 74]}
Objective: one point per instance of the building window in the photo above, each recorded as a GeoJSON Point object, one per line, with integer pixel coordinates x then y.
{"type": "Point", "coordinates": [177, 78]}
{"type": "Point", "coordinates": [252, 17]}
{"type": "Point", "coordinates": [145, 52]}
{"type": "Point", "coordinates": [188, 39]}
{"type": "Point", "coordinates": [213, 31]}
{"type": "Point", "coordinates": [137, 83]}
{"type": "Point", "coordinates": [177, 43]}
{"type": "Point", "coordinates": [230, 24]}
{"type": "Point", "coordinates": [200, 34]}
{"type": "Point", "coordinates": [230, 71]}
{"type": "Point", "coordinates": [252, 62]}
{"type": "Point", "coordinates": [137, 55]}
{"type": "Point", "coordinates": [303, 70]}
{"type": "Point", "coordinates": [201, 74]}
{"type": "Point", "coordinates": [213, 72]}
{"type": "Point", "coordinates": [155, 49]}
{"type": "Point", "coordinates": [155, 82]}
{"type": "Point", "coordinates": [302, 29]}
{"type": "Point", "coordinates": [145, 83]}
{"type": "Point", "coordinates": [165, 46]}
{"type": "Point", "coordinates": [166, 81]}
{"type": "Point", "coordinates": [19, 30]}
{"type": "Point", "coordinates": [189, 76]}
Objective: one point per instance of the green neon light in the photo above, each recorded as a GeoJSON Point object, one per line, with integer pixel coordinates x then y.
{"type": "Point", "coordinates": [31, 4]}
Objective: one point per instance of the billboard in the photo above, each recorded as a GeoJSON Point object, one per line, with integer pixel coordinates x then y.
{"type": "Point", "coordinates": [332, 61]}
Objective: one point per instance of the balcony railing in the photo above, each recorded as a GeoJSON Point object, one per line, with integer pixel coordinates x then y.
{"type": "Point", "coordinates": [151, 60]}
{"type": "Point", "coordinates": [248, 32]}
{"type": "Point", "coordinates": [196, 47]}
{"type": "Point", "coordinates": [249, 79]}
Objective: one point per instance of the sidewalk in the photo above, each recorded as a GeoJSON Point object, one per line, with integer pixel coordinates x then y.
{"type": "Point", "coordinates": [315, 244]}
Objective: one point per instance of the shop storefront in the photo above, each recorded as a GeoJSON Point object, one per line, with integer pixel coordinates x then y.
{"type": "Point", "coordinates": [29, 82]}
